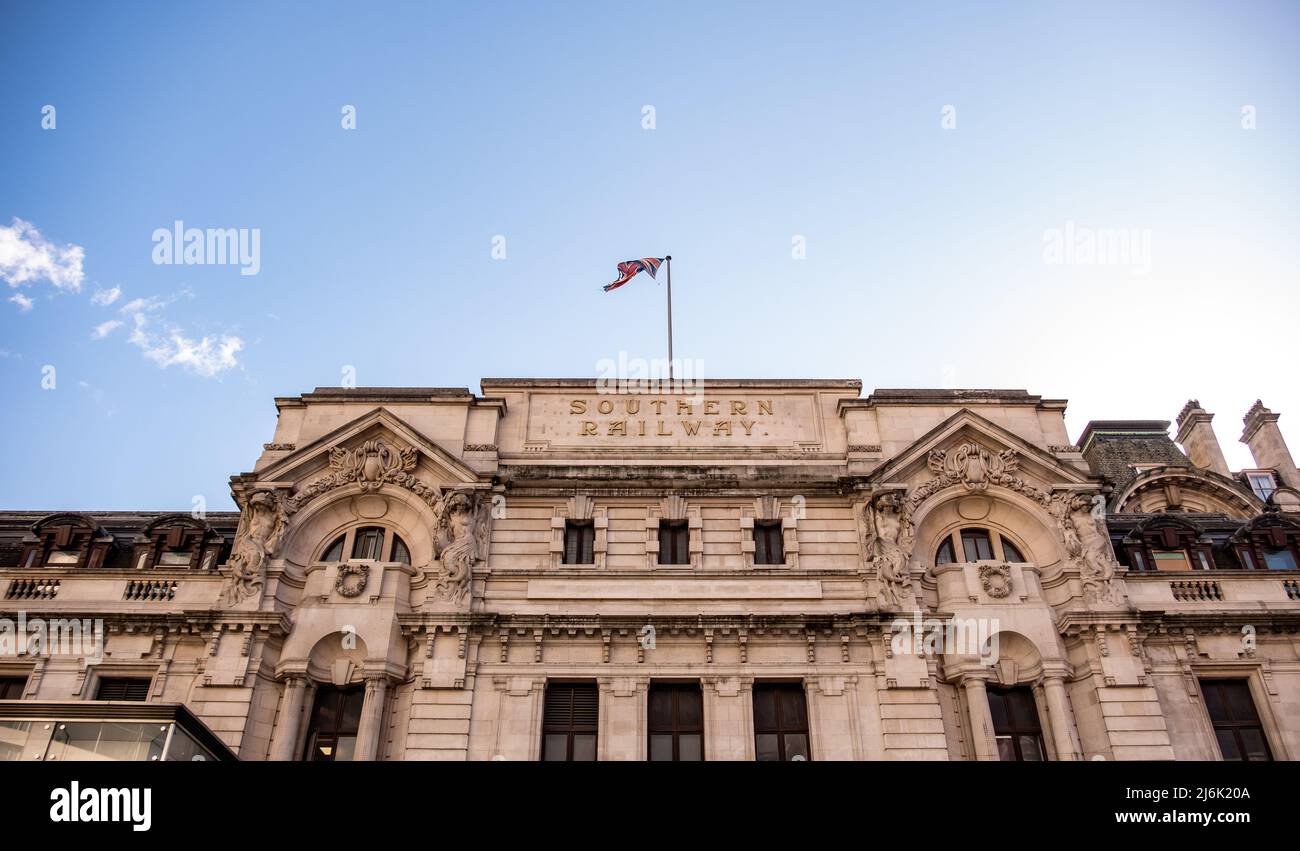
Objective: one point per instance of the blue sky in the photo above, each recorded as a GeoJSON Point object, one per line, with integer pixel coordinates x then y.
{"type": "Point", "coordinates": [924, 251]}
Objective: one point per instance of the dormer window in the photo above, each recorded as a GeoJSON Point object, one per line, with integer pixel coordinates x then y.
{"type": "Point", "coordinates": [1262, 483]}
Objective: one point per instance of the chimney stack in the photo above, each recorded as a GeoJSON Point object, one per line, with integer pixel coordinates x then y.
{"type": "Point", "coordinates": [1197, 437]}
{"type": "Point", "coordinates": [1266, 444]}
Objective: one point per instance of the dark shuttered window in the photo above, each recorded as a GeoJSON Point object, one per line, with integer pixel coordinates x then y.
{"type": "Point", "coordinates": [780, 723]}
{"type": "Point", "coordinates": [569, 722]}
{"type": "Point", "coordinates": [1236, 723]}
{"type": "Point", "coordinates": [676, 722]}
{"type": "Point", "coordinates": [769, 543]}
{"type": "Point", "coordinates": [122, 688]}
{"type": "Point", "coordinates": [579, 542]}
{"type": "Point", "coordinates": [1015, 725]}
{"type": "Point", "coordinates": [674, 542]}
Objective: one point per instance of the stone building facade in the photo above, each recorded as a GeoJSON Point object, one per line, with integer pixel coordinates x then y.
{"type": "Point", "coordinates": [741, 570]}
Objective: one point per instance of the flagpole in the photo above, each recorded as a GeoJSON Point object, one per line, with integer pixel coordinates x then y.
{"type": "Point", "coordinates": [669, 259]}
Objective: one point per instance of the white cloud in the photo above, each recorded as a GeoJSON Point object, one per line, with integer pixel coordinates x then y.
{"type": "Point", "coordinates": [27, 257]}
{"type": "Point", "coordinates": [103, 329]}
{"type": "Point", "coordinates": [207, 357]}
{"type": "Point", "coordinates": [104, 298]}
{"type": "Point", "coordinates": [24, 303]}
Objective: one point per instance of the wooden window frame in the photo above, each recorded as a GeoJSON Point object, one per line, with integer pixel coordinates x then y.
{"type": "Point", "coordinates": [676, 729]}
{"type": "Point", "coordinates": [340, 694]}
{"type": "Point", "coordinates": [672, 532]}
{"type": "Point", "coordinates": [572, 728]}
{"type": "Point", "coordinates": [1234, 725]}
{"type": "Point", "coordinates": [772, 535]}
{"type": "Point", "coordinates": [781, 728]}
{"type": "Point", "coordinates": [585, 532]}
{"type": "Point", "coordinates": [1016, 731]}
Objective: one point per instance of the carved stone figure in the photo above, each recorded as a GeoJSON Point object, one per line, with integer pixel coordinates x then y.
{"type": "Point", "coordinates": [1086, 544]}
{"type": "Point", "coordinates": [461, 542]}
{"type": "Point", "coordinates": [889, 540]}
{"type": "Point", "coordinates": [262, 520]}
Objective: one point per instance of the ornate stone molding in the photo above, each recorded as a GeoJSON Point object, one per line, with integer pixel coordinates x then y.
{"type": "Point", "coordinates": [996, 580]}
{"type": "Point", "coordinates": [371, 465]}
{"type": "Point", "coordinates": [352, 579]}
{"type": "Point", "coordinates": [279, 447]}
{"type": "Point", "coordinates": [480, 447]}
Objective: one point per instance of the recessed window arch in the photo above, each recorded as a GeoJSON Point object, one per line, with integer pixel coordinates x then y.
{"type": "Point", "coordinates": [367, 543]}
{"type": "Point", "coordinates": [977, 543]}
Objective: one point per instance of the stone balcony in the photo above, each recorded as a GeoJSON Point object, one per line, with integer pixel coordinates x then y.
{"type": "Point", "coordinates": [1217, 590]}
{"type": "Point", "coordinates": [55, 590]}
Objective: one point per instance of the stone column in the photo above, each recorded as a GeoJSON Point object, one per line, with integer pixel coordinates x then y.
{"type": "Point", "coordinates": [981, 721]}
{"type": "Point", "coordinates": [1058, 714]}
{"type": "Point", "coordinates": [372, 713]}
{"type": "Point", "coordinates": [285, 738]}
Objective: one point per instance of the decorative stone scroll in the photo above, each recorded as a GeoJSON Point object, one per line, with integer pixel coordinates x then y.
{"type": "Point", "coordinates": [372, 465]}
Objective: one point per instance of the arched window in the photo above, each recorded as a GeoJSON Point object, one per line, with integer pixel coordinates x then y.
{"type": "Point", "coordinates": [368, 543]}
{"type": "Point", "coordinates": [335, 551]}
{"type": "Point", "coordinates": [401, 554]}
{"type": "Point", "coordinates": [977, 544]}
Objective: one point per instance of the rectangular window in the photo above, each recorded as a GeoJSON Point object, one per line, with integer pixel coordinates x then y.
{"type": "Point", "coordinates": [1171, 560]}
{"type": "Point", "coordinates": [368, 544]}
{"type": "Point", "coordinates": [674, 542]}
{"type": "Point", "coordinates": [11, 688]}
{"type": "Point", "coordinates": [1015, 724]}
{"type": "Point", "coordinates": [579, 542]}
{"type": "Point", "coordinates": [977, 544]}
{"type": "Point", "coordinates": [1235, 721]}
{"type": "Point", "coordinates": [569, 722]}
{"type": "Point", "coordinates": [122, 688]}
{"type": "Point", "coordinates": [1262, 484]}
{"type": "Point", "coordinates": [676, 713]}
{"type": "Point", "coordinates": [769, 542]}
{"type": "Point", "coordinates": [1279, 558]}
{"type": "Point", "coordinates": [335, 720]}
{"type": "Point", "coordinates": [780, 723]}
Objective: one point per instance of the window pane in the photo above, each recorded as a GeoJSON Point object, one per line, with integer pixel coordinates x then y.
{"type": "Point", "coordinates": [796, 744]}
{"type": "Point", "coordinates": [1279, 559]}
{"type": "Point", "coordinates": [793, 709]}
{"type": "Point", "coordinates": [690, 708]}
{"type": "Point", "coordinates": [1171, 560]}
{"type": "Point", "coordinates": [401, 554]}
{"type": "Point", "coordinates": [1030, 749]}
{"type": "Point", "coordinates": [661, 747]}
{"type": "Point", "coordinates": [998, 709]}
{"type": "Point", "coordinates": [766, 747]}
{"type": "Point", "coordinates": [555, 747]}
{"type": "Point", "coordinates": [1228, 745]}
{"type": "Point", "coordinates": [584, 747]}
{"type": "Point", "coordinates": [346, 746]}
{"type": "Point", "coordinates": [350, 722]}
{"type": "Point", "coordinates": [690, 747]}
{"type": "Point", "coordinates": [661, 708]}
{"type": "Point", "coordinates": [1214, 703]}
{"type": "Point", "coordinates": [1252, 741]}
{"type": "Point", "coordinates": [335, 551]}
{"type": "Point", "coordinates": [674, 542]}
{"type": "Point", "coordinates": [579, 540]}
{"type": "Point", "coordinates": [944, 555]}
{"type": "Point", "coordinates": [769, 543]}
{"type": "Point", "coordinates": [1011, 554]}
{"type": "Point", "coordinates": [764, 708]}
{"type": "Point", "coordinates": [368, 543]}
{"type": "Point", "coordinates": [976, 544]}
{"type": "Point", "coordinates": [1006, 749]}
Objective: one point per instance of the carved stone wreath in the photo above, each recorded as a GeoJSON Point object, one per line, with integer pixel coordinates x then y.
{"type": "Point", "coordinates": [352, 579]}
{"type": "Point", "coordinates": [996, 579]}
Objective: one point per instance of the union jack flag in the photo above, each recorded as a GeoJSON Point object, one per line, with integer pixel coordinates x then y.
{"type": "Point", "coordinates": [628, 269]}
